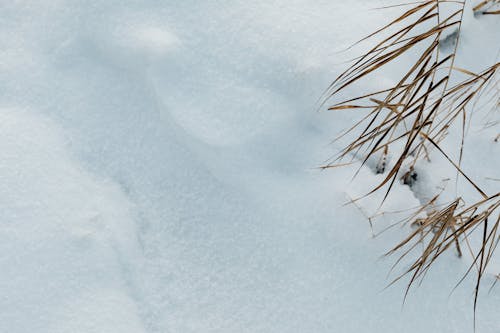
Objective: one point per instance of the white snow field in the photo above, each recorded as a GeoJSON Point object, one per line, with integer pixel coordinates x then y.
{"type": "Point", "coordinates": [158, 173]}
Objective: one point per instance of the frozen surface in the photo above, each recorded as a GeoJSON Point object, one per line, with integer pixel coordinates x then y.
{"type": "Point", "coordinates": [158, 174]}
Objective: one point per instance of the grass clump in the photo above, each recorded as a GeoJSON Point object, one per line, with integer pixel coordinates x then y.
{"type": "Point", "coordinates": [413, 116]}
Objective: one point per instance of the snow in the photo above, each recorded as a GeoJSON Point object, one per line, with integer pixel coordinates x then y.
{"type": "Point", "coordinates": [66, 236]}
{"type": "Point", "coordinates": [158, 169]}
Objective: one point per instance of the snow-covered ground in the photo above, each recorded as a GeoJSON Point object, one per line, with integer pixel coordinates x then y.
{"type": "Point", "coordinates": [158, 174]}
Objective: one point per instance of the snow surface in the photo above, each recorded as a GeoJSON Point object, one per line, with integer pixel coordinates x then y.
{"type": "Point", "coordinates": [158, 174]}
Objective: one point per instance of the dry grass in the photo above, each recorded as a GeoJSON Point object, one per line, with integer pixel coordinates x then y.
{"type": "Point", "coordinates": [443, 229]}
{"type": "Point", "coordinates": [487, 7]}
{"type": "Point", "coordinates": [414, 115]}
